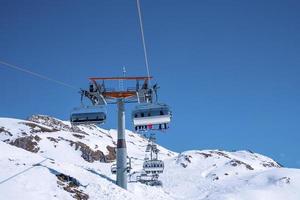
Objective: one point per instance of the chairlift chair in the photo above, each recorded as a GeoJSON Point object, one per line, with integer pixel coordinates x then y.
{"type": "Point", "coordinates": [113, 168]}
{"type": "Point", "coordinates": [151, 116]}
{"type": "Point", "coordinates": [88, 115]}
{"type": "Point", "coordinates": [153, 166]}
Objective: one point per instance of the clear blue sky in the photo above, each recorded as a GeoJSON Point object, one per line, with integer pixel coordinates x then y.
{"type": "Point", "coordinates": [229, 69]}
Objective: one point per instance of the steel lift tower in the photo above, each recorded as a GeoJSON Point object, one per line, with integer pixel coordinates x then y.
{"type": "Point", "coordinates": [121, 147]}
{"type": "Point", "coordinates": [100, 96]}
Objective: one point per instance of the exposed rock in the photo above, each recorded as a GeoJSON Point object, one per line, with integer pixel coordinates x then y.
{"type": "Point", "coordinates": [271, 164]}
{"type": "Point", "coordinates": [52, 139]}
{"type": "Point", "coordinates": [37, 138]}
{"type": "Point", "coordinates": [183, 160]}
{"type": "Point", "coordinates": [87, 153]}
{"type": "Point", "coordinates": [54, 123]}
{"type": "Point", "coordinates": [3, 130]}
{"type": "Point", "coordinates": [71, 185]}
{"type": "Point", "coordinates": [250, 151]}
{"type": "Point", "coordinates": [35, 128]}
{"type": "Point", "coordinates": [49, 121]}
{"type": "Point", "coordinates": [183, 165]}
{"type": "Point", "coordinates": [235, 163]}
{"type": "Point", "coordinates": [90, 155]}
{"type": "Point", "coordinates": [111, 156]}
{"type": "Point", "coordinates": [23, 133]}
{"type": "Point", "coordinates": [28, 143]}
{"type": "Point", "coordinates": [283, 180]}
{"type": "Point", "coordinates": [206, 155]}
{"type": "Point", "coordinates": [78, 136]}
{"type": "Point", "coordinates": [187, 158]}
{"type": "Point", "coordinates": [214, 177]}
{"type": "Point", "coordinates": [220, 153]}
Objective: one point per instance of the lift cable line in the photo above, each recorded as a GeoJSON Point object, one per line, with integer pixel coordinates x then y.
{"type": "Point", "coordinates": [37, 75]}
{"type": "Point", "coordinates": [143, 38]}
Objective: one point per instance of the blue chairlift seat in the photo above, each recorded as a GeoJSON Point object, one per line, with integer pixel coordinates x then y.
{"type": "Point", "coordinates": [88, 115]}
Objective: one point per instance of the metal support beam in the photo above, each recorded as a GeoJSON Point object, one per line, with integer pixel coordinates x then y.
{"type": "Point", "coordinates": [121, 147]}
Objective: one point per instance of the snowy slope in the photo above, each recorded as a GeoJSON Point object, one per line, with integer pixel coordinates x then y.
{"type": "Point", "coordinates": [213, 174]}
{"type": "Point", "coordinates": [57, 161]}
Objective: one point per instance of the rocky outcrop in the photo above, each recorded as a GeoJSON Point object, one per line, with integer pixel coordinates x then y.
{"type": "Point", "coordinates": [183, 160]}
{"type": "Point", "coordinates": [36, 128]}
{"type": "Point", "coordinates": [29, 143]}
{"type": "Point", "coordinates": [90, 155]}
{"type": "Point", "coordinates": [4, 131]}
{"type": "Point", "coordinates": [236, 163]}
{"type": "Point", "coordinates": [205, 155]}
{"type": "Point", "coordinates": [220, 153]}
{"type": "Point", "coordinates": [52, 139]}
{"type": "Point", "coordinates": [5, 134]}
{"type": "Point", "coordinates": [56, 124]}
{"type": "Point", "coordinates": [111, 156]}
{"type": "Point", "coordinates": [78, 135]}
{"type": "Point", "coordinates": [271, 164]}
{"type": "Point", "coordinates": [71, 185]}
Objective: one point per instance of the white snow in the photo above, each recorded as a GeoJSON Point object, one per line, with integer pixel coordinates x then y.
{"type": "Point", "coordinates": [201, 175]}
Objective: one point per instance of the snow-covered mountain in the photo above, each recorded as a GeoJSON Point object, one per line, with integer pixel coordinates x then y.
{"type": "Point", "coordinates": [46, 158]}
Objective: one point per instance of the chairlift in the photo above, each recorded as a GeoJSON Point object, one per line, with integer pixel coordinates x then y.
{"type": "Point", "coordinates": [88, 115]}
{"type": "Point", "coordinates": [113, 168]}
{"type": "Point", "coordinates": [153, 166]}
{"type": "Point", "coordinates": [149, 179]}
{"type": "Point", "coordinates": [144, 177]}
{"type": "Point", "coordinates": [151, 116]}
